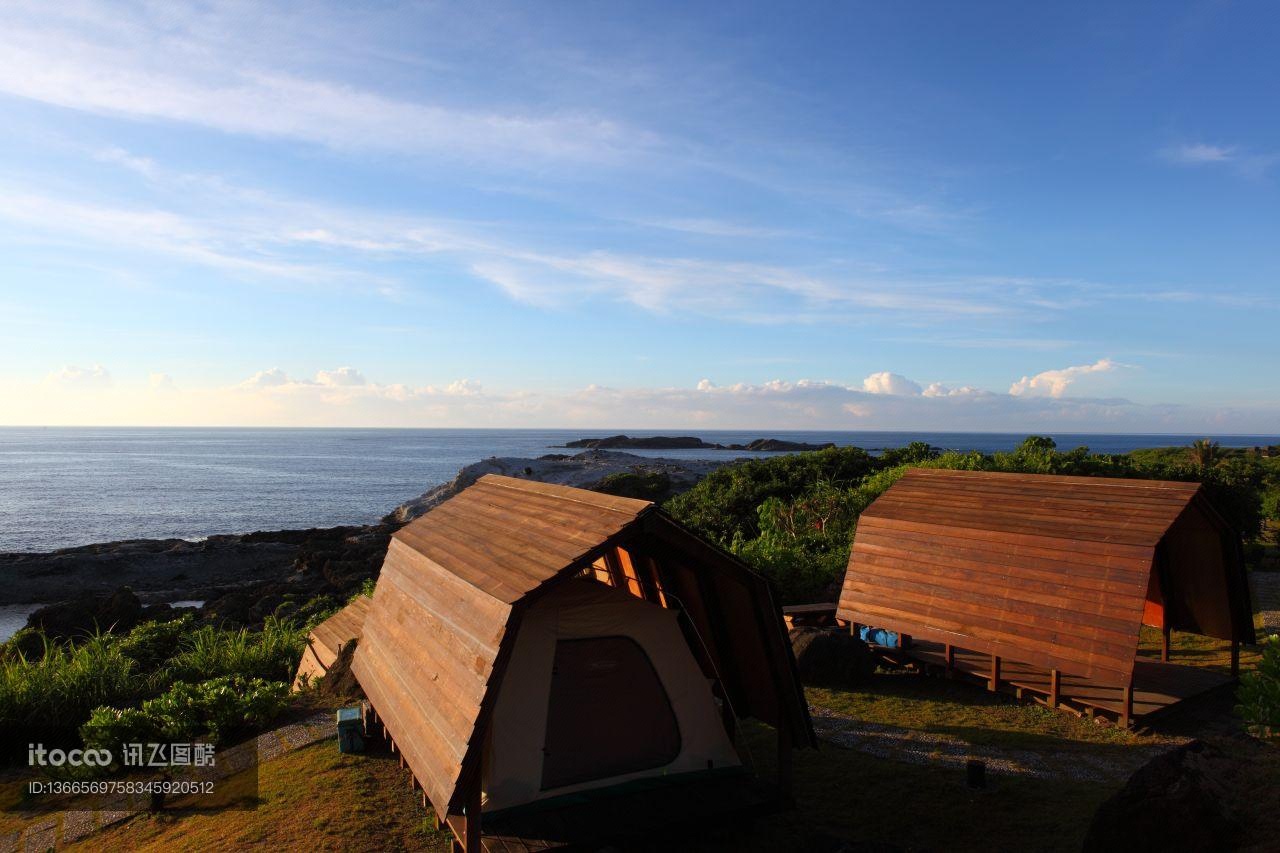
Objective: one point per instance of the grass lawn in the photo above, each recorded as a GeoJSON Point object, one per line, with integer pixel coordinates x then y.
{"type": "Point", "coordinates": [312, 799]}
{"type": "Point", "coordinates": [317, 798]}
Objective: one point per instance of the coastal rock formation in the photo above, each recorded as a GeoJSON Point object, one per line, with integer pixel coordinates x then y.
{"type": "Point", "coordinates": [145, 565]}
{"type": "Point", "coordinates": [585, 470]}
{"type": "Point", "coordinates": [242, 579]}
{"type": "Point", "coordinates": [689, 442]}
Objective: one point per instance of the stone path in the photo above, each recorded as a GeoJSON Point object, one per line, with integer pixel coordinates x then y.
{"type": "Point", "coordinates": [1266, 599]}
{"type": "Point", "coordinates": [54, 830]}
{"type": "Point", "coordinates": [917, 747]}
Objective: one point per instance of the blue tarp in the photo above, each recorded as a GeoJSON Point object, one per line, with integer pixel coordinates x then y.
{"type": "Point", "coordinates": [881, 637]}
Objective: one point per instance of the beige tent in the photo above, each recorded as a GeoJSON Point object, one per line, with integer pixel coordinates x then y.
{"type": "Point", "coordinates": [573, 666]}
{"type": "Point", "coordinates": [601, 689]}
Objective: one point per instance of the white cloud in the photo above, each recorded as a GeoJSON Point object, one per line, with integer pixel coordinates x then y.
{"type": "Point", "coordinates": [272, 398]}
{"type": "Point", "coordinates": [272, 377]}
{"type": "Point", "coordinates": [885, 382]}
{"type": "Point", "coordinates": [1054, 383]}
{"type": "Point", "coordinates": [1198, 154]}
{"type": "Point", "coordinates": [82, 377]}
{"type": "Point", "coordinates": [346, 376]}
{"type": "Point", "coordinates": [937, 389]}
{"type": "Point", "coordinates": [161, 382]}
{"type": "Point", "coordinates": [194, 71]}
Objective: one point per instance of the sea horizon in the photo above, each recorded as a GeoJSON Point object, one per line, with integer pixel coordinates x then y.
{"type": "Point", "coordinates": [68, 486]}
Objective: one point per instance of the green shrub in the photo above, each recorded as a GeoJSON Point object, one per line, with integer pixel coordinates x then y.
{"type": "Point", "coordinates": [153, 643]}
{"type": "Point", "coordinates": [208, 652]}
{"type": "Point", "coordinates": [216, 710]}
{"type": "Point", "coordinates": [47, 698]}
{"type": "Point", "coordinates": [649, 486]}
{"type": "Point", "coordinates": [1259, 692]}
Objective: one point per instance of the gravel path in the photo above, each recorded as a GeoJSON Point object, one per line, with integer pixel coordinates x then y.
{"type": "Point", "coordinates": [917, 747]}
{"type": "Point", "coordinates": [51, 831]}
{"type": "Point", "coordinates": [1266, 599]}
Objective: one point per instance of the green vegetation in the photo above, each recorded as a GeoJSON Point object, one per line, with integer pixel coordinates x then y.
{"type": "Point", "coordinates": [793, 517]}
{"type": "Point", "coordinates": [648, 486]}
{"type": "Point", "coordinates": [313, 799]}
{"type": "Point", "coordinates": [157, 669]}
{"type": "Point", "coordinates": [1259, 692]}
{"type": "Point", "coordinates": [212, 710]}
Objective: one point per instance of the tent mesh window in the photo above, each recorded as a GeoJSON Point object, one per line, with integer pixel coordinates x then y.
{"type": "Point", "coordinates": [608, 713]}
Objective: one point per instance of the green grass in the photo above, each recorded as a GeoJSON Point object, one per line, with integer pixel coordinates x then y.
{"type": "Point", "coordinates": [847, 795]}
{"type": "Point", "coordinates": [937, 705]}
{"type": "Point", "coordinates": [312, 799]}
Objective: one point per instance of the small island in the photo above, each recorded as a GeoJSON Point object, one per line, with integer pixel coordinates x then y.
{"type": "Point", "coordinates": [689, 442]}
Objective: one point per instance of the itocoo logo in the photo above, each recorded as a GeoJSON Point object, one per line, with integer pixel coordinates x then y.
{"type": "Point", "coordinates": [38, 756]}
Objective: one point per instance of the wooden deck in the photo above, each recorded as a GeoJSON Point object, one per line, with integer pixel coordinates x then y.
{"type": "Point", "coordinates": [629, 811]}
{"type": "Point", "coordinates": [1157, 687]}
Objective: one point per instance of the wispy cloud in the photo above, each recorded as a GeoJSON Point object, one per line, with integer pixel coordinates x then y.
{"type": "Point", "coordinates": [1197, 154]}
{"type": "Point", "coordinates": [195, 74]}
{"type": "Point", "coordinates": [1247, 163]}
{"type": "Point", "coordinates": [213, 223]}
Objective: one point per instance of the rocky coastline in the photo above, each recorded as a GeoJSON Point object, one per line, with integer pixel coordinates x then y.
{"type": "Point", "coordinates": [689, 442]}
{"type": "Point", "coordinates": [242, 579]}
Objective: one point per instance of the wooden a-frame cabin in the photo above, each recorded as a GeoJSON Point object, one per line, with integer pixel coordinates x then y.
{"type": "Point", "coordinates": [1040, 584]}
{"type": "Point", "coordinates": [557, 666]}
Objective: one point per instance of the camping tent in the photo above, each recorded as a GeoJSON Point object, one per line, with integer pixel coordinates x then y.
{"type": "Point", "coordinates": [528, 642]}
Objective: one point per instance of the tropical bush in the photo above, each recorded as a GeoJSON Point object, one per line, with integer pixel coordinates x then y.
{"type": "Point", "coordinates": [209, 652]}
{"type": "Point", "coordinates": [48, 697]}
{"type": "Point", "coordinates": [1259, 692]}
{"type": "Point", "coordinates": [212, 710]}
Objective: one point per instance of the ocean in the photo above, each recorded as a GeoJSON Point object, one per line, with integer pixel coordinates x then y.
{"type": "Point", "coordinates": [66, 486]}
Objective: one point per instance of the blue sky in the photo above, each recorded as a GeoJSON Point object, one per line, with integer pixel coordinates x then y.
{"type": "Point", "coordinates": [853, 215]}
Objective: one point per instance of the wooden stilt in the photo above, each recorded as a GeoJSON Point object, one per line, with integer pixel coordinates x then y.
{"type": "Point", "coordinates": [1235, 658]}
{"type": "Point", "coordinates": [993, 684]}
{"type": "Point", "coordinates": [471, 819]}
{"type": "Point", "coordinates": [1126, 716]}
{"type": "Point", "coordinates": [1055, 688]}
{"type": "Point", "coordinates": [951, 661]}
{"type": "Point", "coordinates": [1164, 644]}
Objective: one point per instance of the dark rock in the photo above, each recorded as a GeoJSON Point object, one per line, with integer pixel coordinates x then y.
{"type": "Point", "coordinates": [831, 657]}
{"type": "Point", "coordinates": [88, 614]}
{"type": "Point", "coordinates": [656, 442]}
{"type": "Point", "coordinates": [1177, 801]}
{"type": "Point", "coordinates": [777, 445]}
{"type": "Point", "coordinates": [235, 608]}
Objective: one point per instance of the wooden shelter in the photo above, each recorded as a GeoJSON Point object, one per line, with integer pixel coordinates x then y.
{"type": "Point", "coordinates": [504, 653]}
{"type": "Point", "coordinates": [326, 640]}
{"type": "Point", "coordinates": [1044, 582]}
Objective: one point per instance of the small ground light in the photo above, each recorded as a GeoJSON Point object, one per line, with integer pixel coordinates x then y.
{"type": "Point", "coordinates": [976, 773]}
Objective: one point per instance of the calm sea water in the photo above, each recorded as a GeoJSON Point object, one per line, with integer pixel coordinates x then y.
{"type": "Point", "coordinates": [73, 486]}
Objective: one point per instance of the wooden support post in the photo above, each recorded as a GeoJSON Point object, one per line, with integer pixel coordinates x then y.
{"type": "Point", "coordinates": [993, 684]}
{"type": "Point", "coordinates": [1126, 716]}
{"type": "Point", "coordinates": [785, 768]}
{"type": "Point", "coordinates": [471, 819]}
{"type": "Point", "coordinates": [1164, 643]}
{"type": "Point", "coordinates": [951, 661]}
{"type": "Point", "coordinates": [1235, 658]}
{"type": "Point", "coordinates": [1055, 688]}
